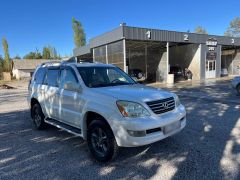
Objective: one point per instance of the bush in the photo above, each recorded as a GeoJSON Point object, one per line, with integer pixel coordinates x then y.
{"type": "Point", "coordinates": [6, 66]}
{"type": "Point", "coordinates": [1, 68]}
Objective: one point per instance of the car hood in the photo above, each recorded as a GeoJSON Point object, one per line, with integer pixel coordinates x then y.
{"type": "Point", "coordinates": [138, 92]}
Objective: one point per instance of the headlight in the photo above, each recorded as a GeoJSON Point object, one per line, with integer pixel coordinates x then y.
{"type": "Point", "coordinates": [177, 101]}
{"type": "Point", "coordinates": [132, 109]}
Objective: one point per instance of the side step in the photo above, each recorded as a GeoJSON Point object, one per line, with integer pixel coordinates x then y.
{"type": "Point", "coordinates": [65, 127]}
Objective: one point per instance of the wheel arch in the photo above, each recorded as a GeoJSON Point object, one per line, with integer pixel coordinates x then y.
{"type": "Point", "coordinates": [88, 118]}
{"type": "Point", "coordinates": [33, 102]}
{"type": "Point", "coordinates": [237, 88]}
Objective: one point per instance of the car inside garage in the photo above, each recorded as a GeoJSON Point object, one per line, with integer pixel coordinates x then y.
{"type": "Point", "coordinates": [145, 60]}
{"type": "Point", "coordinates": [184, 56]}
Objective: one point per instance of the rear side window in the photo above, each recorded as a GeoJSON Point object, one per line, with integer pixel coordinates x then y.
{"type": "Point", "coordinates": [39, 76]}
{"type": "Point", "coordinates": [52, 77]}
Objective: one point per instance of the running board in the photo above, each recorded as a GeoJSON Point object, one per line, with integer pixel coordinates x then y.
{"type": "Point", "coordinates": [65, 127]}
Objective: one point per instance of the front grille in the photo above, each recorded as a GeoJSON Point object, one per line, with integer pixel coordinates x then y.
{"type": "Point", "coordinates": [162, 106]}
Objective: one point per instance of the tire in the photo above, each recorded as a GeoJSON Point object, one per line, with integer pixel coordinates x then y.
{"type": "Point", "coordinates": [139, 75]}
{"type": "Point", "coordinates": [38, 117]}
{"type": "Point", "coordinates": [101, 141]}
{"type": "Point", "coordinates": [238, 89]}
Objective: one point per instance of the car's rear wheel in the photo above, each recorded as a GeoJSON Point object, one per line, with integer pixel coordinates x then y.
{"type": "Point", "coordinates": [238, 89]}
{"type": "Point", "coordinates": [101, 141]}
{"type": "Point", "coordinates": [38, 116]}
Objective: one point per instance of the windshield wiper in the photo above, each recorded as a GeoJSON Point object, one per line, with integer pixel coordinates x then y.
{"type": "Point", "coordinates": [121, 83]}
{"type": "Point", "coordinates": [100, 85]}
{"type": "Point", "coordinates": [112, 84]}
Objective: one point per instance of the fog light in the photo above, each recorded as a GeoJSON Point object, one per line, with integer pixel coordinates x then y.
{"type": "Point", "coordinates": [136, 133]}
{"type": "Point", "coordinates": [182, 119]}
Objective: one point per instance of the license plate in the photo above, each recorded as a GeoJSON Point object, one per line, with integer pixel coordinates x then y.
{"type": "Point", "coordinates": [171, 127]}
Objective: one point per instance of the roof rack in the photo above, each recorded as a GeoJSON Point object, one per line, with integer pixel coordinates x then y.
{"type": "Point", "coordinates": [70, 60]}
{"type": "Point", "coordinates": [59, 62]}
{"type": "Point", "coordinates": [51, 62]}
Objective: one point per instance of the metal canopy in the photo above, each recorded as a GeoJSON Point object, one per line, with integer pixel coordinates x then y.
{"type": "Point", "coordinates": [153, 35]}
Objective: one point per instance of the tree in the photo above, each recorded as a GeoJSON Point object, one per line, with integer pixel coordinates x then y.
{"type": "Point", "coordinates": [79, 34]}
{"type": "Point", "coordinates": [33, 55]}
{"type": "Point", "coordinates": [234, 28]}
{"type": "Point", "coordinates": [30, 55]}
{"type": "Point", "coordinates": [46, 54]}
{"type": "Point", "coordinates": [38, 55]}
{"type": "Point", "coordinates": [200, 30]}
{"type": "Point", "coordinates": [1, 66]}
{"type": "Point", "coordinates": [6, 64]}
{"type": "Point", "coordinates": [50, 52]}
{"type": "Point", "coordinates": [17, 57]}
{"type": "Point", "coordinates": [53, 53]}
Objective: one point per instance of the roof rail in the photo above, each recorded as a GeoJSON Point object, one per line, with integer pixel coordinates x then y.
{"type": "Point", "coordinates": [51, 62]}
{"type": "Point", "coordinates": [85, 61]}
{"type": "Point", "coordinates": [70, 60]}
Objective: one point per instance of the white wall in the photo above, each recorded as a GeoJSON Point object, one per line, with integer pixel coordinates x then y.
{"type": "Point", "coordinates": [20, 74]}
{"type": "Point", "coordinates": [231, 61]}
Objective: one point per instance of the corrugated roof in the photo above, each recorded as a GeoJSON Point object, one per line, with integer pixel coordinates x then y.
{"type": "Point", "coordinates": [28, 63]}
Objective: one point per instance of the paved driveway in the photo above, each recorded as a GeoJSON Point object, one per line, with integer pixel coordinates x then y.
{"type": "Point", "coordinates": [208, 148]}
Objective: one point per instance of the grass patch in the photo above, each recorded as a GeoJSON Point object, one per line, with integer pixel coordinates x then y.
{"type": "Point", "coordinates": [2, 82]}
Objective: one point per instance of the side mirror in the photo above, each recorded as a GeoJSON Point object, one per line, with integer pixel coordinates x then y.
{"type": "Point", "coordinates": [134, 78]}
{"type": "Point", "coordinates": [70, 86]}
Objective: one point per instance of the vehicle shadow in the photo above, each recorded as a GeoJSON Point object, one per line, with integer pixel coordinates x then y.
{"type": "Point", "coordinates": [203, 150]}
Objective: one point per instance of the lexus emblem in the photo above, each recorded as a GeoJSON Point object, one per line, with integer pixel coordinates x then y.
{"type": "Point", "coordinates": [165, 105]}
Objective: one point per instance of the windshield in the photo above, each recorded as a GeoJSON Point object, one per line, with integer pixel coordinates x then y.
{"type": "Point", "coordinates": [104, 76]}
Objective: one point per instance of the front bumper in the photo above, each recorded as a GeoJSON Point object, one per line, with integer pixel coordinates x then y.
{"type": "Point", "coordinates": [155, 123]}
{"type": "Point", "coordinates": [234, 84]}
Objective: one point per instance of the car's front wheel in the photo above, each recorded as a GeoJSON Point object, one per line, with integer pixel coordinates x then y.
{"type": "Point", "coordinates": [38, 116]}
{"type": "Point", "coordinates": [101, 141]}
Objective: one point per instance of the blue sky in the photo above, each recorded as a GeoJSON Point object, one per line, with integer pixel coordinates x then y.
{"type": "Point", "coordinates": [31, 24]}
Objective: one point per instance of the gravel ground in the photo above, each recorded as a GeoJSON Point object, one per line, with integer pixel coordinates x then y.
{"type": "Point", "coordinates": [208, 148]}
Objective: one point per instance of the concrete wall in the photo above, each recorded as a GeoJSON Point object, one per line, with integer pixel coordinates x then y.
{"type": "Point", "coordinates": [156, 63]}
{"type": "Point", "coordinates": [21, 74]}
{"type": "Point", "coordinates": [231, 61]}
{"type": "Point", "coordinates": [186, 56]}
{"type": "Point", "coordinates": [161, 74]}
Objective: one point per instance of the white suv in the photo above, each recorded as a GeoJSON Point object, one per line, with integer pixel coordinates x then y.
{"type": "Point", "coordinates": [103, 105]}
{"type": "Point", "coordinates": [236, 84]}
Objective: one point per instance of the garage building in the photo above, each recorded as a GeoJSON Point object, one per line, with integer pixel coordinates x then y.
{"type": "Point", "coordinates": [154, 52]}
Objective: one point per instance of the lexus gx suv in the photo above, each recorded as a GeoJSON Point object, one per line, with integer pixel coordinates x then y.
{"type": "Point", "coordinates": [103, 105]}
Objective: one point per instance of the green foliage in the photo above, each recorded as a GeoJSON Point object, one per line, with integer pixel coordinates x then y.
{"type": "Point", "coordinates": [79, 34]}
{"type": "Point", "coordinates": [17, 57]}
{"type": "Point", "coordinates": [46, 54]}
{"type": "Point", "coordinates": [33, 55]}
{"type": "Point", "coordinates": [200, 30]}
{"type": "Point", "coordinates": [50, 52]}
{"type": "Point", "coordinates": [7, 63]}
{"type": "Point", "coordinates": [1, 66]}
{"type": "Point", "coordinates": [234, 28]}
